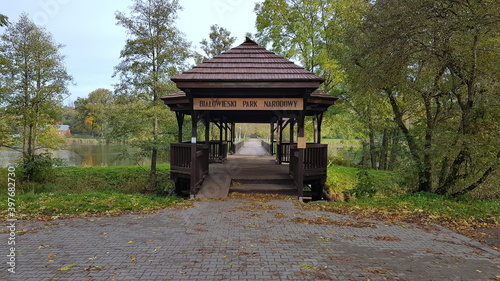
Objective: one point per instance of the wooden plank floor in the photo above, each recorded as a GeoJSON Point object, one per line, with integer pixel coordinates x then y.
{"type": "Point", "coordinates": [253, 170]}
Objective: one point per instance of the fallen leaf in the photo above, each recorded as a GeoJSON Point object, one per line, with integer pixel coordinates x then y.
{"type": "Point", "coordinates": [376, 270]}
{"type": "Point", "coordinates": [51, 256]}
{"type": "Point", "coordinates": [386, 238]}
{"type": "Point", "coordinates": [68, 267]}
{"type": "Point", "coordinates": [130, 242]}
{"type": "Point", "coordinates": [93, 267]}
{"type": "Point", "coordinates": [308, 266]}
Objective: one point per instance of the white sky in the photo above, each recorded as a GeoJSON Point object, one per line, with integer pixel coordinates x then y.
{"type": "Point", "coordinates": [93, 42]}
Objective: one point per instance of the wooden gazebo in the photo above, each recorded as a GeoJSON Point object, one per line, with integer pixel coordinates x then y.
{"type": "Point", "coordinates": [248, 84]}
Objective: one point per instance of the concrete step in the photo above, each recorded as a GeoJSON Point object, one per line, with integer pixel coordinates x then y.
{"type": "Point", "coordinates": [275, 181]}
{"type": "Point", "coordinates": [285, 189]}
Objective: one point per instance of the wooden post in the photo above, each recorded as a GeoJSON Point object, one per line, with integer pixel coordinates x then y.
{"type": "Point", "coordinates": [233, 136]}
{"type": "Point", "coordinates": [272, 137]}
{"type": "Point", "coordinates": [180, 123]}
{"type": "Point", "coordinates": [221, 131]}
{"type": "Point", "coordinates": [194, 135]}
{"type": "Point", "coordinates": [320, 124]}
{"type": "Point", "coordinates": [207, 134]}
{"type": "Point", "coordinates": [279, 152]}
{"type": "Point", "coordinates": [226, 126]}
{"type": "Point", "coordinates": [317, 127]}
{"type": "Point", "coordinates": [292, 128]}
{"type": "Point", "coordinates": [207, 129]}
{"type": "Point", "coordinates": [301, 145]}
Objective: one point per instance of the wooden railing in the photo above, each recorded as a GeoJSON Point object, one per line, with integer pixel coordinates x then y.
{"type": "Point", "coordinates": [316, 158]}
{"type": "Point", "coordinates": [238, 146]}
{"type": "Point", "coordinates": [180, 157]}
{"type": "Point", "coordinates": [266, 146]}
{"type": "Point", "coordinates": [180, 160]}
{"type": "Point", "coordinates": [218, 151]}
{"type": "Point", "coordinates": [283, 153]}
{"type": "Point", "coordinates": [315, 161]}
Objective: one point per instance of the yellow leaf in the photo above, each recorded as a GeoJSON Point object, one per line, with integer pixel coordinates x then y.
{"type": "Point", "coordinates": [133, 259]}
{"type": "Point", "coordinates": [130, 242]}
{"type": "Point", "coordinates": [68, 267]}
{"type": "Point", "coordinates": [51, 255]}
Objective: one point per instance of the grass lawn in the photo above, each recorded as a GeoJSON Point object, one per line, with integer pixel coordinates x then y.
{"type": "Point", "coordinates": [89, 191]}
{"type": "Point", "coordinates": [475, 218]}
{"type": "Point", "coordinates": [47, 206]}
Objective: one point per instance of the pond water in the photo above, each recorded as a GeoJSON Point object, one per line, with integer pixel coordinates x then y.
{"type": "Point", "coordinates": [81, 154]}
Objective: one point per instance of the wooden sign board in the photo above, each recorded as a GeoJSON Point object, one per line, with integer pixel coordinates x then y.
{"type": "Point", "coordinates": [248, 104]}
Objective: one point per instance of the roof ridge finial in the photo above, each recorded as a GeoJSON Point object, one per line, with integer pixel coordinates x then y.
{"type": "Point", "coordinates": [248, 40]}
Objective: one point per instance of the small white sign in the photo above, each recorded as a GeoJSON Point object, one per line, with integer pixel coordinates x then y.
{"type": "Point", "coordinates": [193, 140]}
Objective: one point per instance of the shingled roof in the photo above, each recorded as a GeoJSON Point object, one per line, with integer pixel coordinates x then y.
{"type": "Point", "coordinates": [246, 63]}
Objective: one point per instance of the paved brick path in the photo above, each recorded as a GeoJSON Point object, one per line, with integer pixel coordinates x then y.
{"type": "Point", "coordinates": [242, 240]}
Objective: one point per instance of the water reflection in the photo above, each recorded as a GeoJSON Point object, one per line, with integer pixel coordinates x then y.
{"type": "Point", "coordinates": [89, 155]}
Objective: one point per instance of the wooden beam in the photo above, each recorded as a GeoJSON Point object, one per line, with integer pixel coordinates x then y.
{"type": "Point", "coordinates": [207, 128]}
{"type": "Point", "coordinates": [279, 152]}
{"type": "Point", "coordinates": [272, 138]}
{"type": "Point", "coordinates": [319, 123]}
{"type": "Point", "coordinates": [301, 150]}
{"type": "Point", "coordinates": [226, 127]}
{"type": "Point", "coordinates": [180, 122]}
{"type": "Point", "coordinates": [233, 136]}
{"type": "Point", "coordinates": [194, 136]}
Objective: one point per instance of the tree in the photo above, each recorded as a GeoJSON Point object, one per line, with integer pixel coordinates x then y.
{"type": "Point", "coordinates": [4, 20]}
{"type": "Point", "coordinates": [220, 41]}
{"type": "Point", "coordinates": [314, 33]}
{"type": "Point", "coordinates": [434, 63]}
{"type": "Point", "coordinates": [94, 110]}
{"type": "Point", "coordinates": [303, 31]}
{"type": "Point", "coordinates": [34, 81]}
{"type": "Point", "coordinates": [155, 51]}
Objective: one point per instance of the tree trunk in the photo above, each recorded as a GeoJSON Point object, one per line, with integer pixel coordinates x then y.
{"type": "Point", "coordinates": [427, 153]}
{"type": "Point", "coordinates": [393, 155]}
{"type": "Point", "coordinates": [424, 179]}
{"type": "Point", "coordinates": [153, 177]}
{"type": "Point", "coordinates": [373, 150]}
{"type": "Point", "coordinates": [384, 151]}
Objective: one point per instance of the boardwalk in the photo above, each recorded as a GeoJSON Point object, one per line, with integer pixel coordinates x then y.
{"type": "Point", "coordinates": [242, 240]}
{"type": "Point", "coordinates": [253, 147]}
{"type": "Point", "coordinates": [251, 170]}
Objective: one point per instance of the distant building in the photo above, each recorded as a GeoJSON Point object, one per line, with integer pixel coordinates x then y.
{"type": "Point", "coordinates": [63, 131]}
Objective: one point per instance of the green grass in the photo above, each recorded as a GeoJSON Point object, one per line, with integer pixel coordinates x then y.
{"type": "Point", "coordinates": [341, 143]}
{"type": "Point", "coordinates": [393, 198]}
{"type": "Point", "coordinates": [342, 178]}
{"type": "Point", "coordinates": [63, 205]}
{"type": "Point", "coordinates": [432, 204]}
{"type": "Point", "coordinates": [77, 191]}
{"type": "Point", "coordinates": [131, 179]}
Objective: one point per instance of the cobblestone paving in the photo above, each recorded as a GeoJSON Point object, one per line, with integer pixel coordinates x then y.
{"type": "Point", "coordinates": [242, 240]}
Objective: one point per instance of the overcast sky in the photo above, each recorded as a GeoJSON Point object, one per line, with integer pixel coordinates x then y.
{"type": "Point", "coordinates": [93, 42]}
